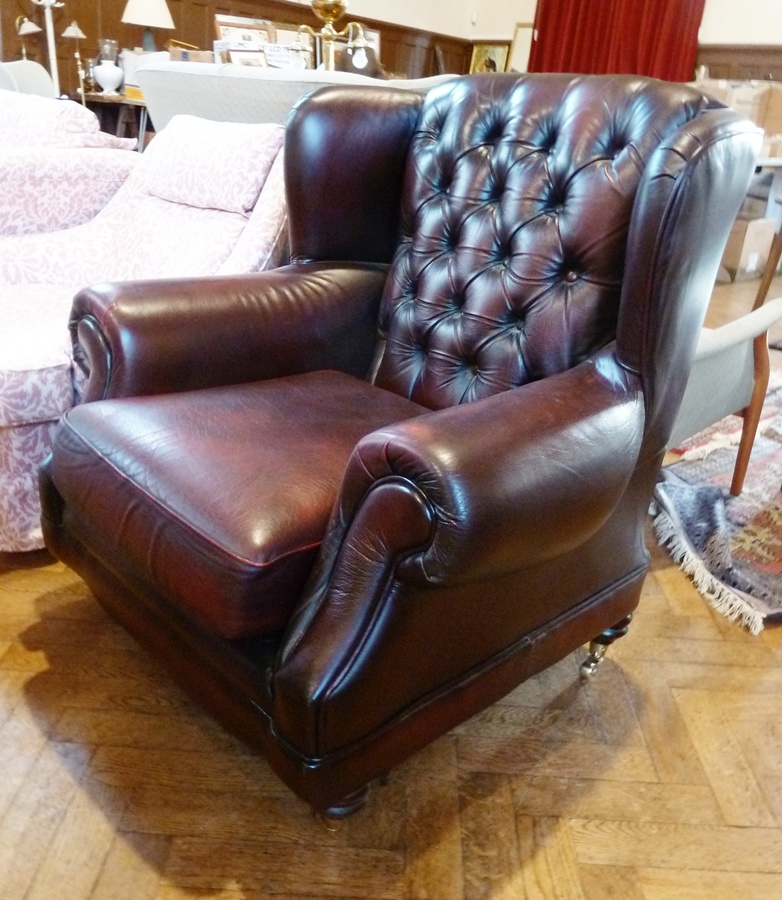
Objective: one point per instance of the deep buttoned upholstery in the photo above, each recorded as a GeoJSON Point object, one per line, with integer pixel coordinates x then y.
{"type": "Point", "coordinates": [500, 276]}
{"type": "Point", "coordinates": [354, 501]}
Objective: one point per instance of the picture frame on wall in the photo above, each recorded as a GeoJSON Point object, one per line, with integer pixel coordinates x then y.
{"type": "Point", "coordinates": [489, 57]}
{"type": "Point", "coordinates": [241, 31]}
{"type": "Point", "coordinates": [373, 39]}
{"type": "Point", "coordinates": [294, 47]}
{"type": "Point", "coordinates": [256, 58]}
{"type": "Point", "coordinates": [518, 58]}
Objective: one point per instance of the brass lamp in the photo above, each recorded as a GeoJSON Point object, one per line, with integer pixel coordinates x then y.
{"type": "Point", "coordinates": [328, 11]}
{"type": "Point", "coordinates": [76, 34]}
{"type": "Point", "coordinates": [24, 28]}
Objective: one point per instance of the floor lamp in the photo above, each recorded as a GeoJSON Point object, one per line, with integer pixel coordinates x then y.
{"type": "Point", "coordinates": [49, 23]}
{"type": "Point", "coordinates": [24, 28]}
{"type": "Point", "coordinates": [75, 33]}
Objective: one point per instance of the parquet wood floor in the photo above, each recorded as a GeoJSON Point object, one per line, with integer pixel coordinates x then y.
{"type": "Point", "coordinates": [659, 780]}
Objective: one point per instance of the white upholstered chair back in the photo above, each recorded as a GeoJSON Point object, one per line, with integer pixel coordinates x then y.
{"type": "Point", "coordinates": [233, 93]}
{"type": "Point", "coordinates": [26, 77]}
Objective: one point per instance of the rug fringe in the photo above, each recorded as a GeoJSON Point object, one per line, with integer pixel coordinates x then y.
{"type": "Point", "coordinates": [720, 596]}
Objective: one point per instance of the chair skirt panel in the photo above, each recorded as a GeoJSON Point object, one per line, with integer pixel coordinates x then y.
{"type": "Point", "coordinates": [22, 449]}
{"type": "Point", "coordinates": [36, 387]}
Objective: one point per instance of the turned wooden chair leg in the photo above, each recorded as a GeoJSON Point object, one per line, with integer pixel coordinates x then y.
{"type": "Point", "coordinates": [598, 647]}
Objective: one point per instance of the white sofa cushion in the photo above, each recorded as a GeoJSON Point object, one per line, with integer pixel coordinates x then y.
{"type": "Point", "coordinates": [211, 165]}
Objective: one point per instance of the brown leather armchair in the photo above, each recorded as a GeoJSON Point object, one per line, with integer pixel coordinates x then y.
{"type": "Point", "coordinates": [353, 501]}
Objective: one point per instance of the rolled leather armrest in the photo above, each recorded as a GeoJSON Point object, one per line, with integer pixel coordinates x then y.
{"type": "Point", "coordinates": [149, 337]}
{"type": "Point", "coordinates": [504, 484]}
{"type": "Point", "coordinates": [452, 516]}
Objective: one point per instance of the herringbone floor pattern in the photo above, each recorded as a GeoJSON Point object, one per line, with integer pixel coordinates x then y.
{"type": "Point", "coordinates": [662, 778]}
{"type": "Point", "coordinates": [659, 780]}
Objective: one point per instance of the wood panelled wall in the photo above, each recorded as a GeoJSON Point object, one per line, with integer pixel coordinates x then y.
{"type": "Point", "coordinates": [738, 62]}
{"type": "Point", "coordinates": [403, 51]}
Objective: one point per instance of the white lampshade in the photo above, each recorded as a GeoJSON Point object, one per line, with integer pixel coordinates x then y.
{"type": "Point", "coordinates": [151, 13]}
{"type": "Point", "coordinates": [73, 31]}
{"type": "Point", "coordinates": [27, 27]}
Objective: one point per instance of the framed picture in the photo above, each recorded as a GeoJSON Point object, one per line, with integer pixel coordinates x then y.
{"type": "Point", "coordinates": [255, 58]}
{"type": "Point", "coordinates": [518, 60]}
{"type": "Point", "coordinates": [242, 31]}
{"type": "Point", "coordinates": [373, 39]}
{"type": "Point", "coordinates": [285, 36]}
{"type": "Point", "coordinates": [489, 58]}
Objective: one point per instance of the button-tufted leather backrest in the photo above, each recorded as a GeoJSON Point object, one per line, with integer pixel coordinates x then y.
{"type": "Point", "coordinates": [517, 199]}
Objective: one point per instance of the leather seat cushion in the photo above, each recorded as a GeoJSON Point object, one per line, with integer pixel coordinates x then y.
{"type": "Point", "coordinates": [222, 521]}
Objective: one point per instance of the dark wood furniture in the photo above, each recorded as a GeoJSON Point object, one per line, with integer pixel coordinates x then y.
{"type": "Point", "coordinates": [118, 114]}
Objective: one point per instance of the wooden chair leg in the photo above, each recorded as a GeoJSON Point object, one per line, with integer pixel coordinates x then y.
{"type": "Point", "coordinates": [752, 413]}
{"type": "Point", "coordinates": [770, 270]}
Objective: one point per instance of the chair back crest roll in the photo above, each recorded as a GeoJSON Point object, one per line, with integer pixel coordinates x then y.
{"type": "Point", "coordinates": [517, 202]}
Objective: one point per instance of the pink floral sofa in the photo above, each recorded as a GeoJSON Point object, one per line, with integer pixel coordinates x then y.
{"type": "Point", "coordinates": [57, 168]}
{"type": "Point", "coordinates": [206, 198]}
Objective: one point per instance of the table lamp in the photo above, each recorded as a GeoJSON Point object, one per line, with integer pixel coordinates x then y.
{"type": "Point", "coordinates": [150, 14]}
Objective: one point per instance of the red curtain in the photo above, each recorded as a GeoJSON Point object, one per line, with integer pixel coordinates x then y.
{"type": "Point", "coordinates": [639, 37]}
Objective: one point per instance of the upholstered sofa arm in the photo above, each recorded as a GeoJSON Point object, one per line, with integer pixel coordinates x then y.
{"type": "Point", "coordinates": [433, 511]}
{"type": "Point", "coordinates": [52, 189]}
{"type": "Point", "coordinates": [150, 337]}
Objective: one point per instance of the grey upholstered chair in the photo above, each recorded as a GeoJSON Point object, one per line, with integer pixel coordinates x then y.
{"type": "Point", "coordinates": [731, 370]}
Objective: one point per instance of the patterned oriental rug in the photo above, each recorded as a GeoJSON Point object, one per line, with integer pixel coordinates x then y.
{"type": "Point", "coordinates": [731, 547]}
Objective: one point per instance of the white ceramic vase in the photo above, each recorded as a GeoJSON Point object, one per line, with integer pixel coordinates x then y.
{"type": "Point", "coordinates": [108, 75]}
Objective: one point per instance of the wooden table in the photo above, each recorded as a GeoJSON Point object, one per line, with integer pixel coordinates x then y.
{"type": "Point", "coordinates": [125, 110]}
